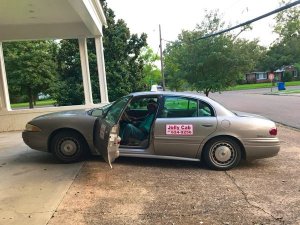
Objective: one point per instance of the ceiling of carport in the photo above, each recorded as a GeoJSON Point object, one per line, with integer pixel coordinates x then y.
{"type": "Point", "coordinates": [50, 19]}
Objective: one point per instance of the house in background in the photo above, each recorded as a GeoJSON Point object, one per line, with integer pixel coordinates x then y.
{"type": "Point", "coordinates": [257, 77]}
{"type": "Point", "coordinates": [279, 75]}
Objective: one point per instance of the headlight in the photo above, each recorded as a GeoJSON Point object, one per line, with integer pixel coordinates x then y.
{"type": "Point", "coordinates": [30, 127]}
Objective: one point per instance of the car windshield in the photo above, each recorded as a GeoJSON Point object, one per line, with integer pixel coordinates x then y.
{"type": "Point", "coordinates": [115, 110]}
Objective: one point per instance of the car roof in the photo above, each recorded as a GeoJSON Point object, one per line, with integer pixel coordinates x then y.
{"type": "Point", "coordinates": [171, 93]}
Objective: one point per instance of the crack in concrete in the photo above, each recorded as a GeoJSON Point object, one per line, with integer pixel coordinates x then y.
{"type": "Point", "coordinates": [61, 200]}
{"type": "Point", "coordinates": [247, 200]}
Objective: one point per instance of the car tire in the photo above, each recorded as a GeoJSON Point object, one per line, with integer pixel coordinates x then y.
{"type": "Point", "coordinates": [68, 146]}
{"type": "Point", "coordinates": [222, 153]}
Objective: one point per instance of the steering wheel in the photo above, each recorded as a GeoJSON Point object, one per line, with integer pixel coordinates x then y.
{"type": "Point", "coordinates": [126, 117]}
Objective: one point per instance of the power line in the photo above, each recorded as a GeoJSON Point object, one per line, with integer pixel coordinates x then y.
{"type": "Point", "coordinates": [251, 21]}
{"type": "Point", "coordinates": [167, 41]}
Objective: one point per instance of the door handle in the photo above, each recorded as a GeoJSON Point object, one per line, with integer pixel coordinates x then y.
{"type": "Point", "coordinates": [206, 125]}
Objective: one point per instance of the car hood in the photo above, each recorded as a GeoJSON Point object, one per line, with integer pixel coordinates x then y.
{"type": "Point", "coordinates": [79, 112]}
{"type": "Point", "coordinates": [244, 114]}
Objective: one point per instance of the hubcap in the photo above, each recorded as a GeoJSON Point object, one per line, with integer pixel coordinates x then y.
{"type": "Point", "coordinates": [222, 153]}
{"type": "Point", "coordinates": [68, 147]}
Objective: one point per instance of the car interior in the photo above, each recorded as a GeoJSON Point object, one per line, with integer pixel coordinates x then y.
{"type": "Point", "coordinates": [135, 113]}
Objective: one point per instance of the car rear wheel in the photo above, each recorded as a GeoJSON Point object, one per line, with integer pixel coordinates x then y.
{"type": "Point", "coordinates": [68, 146]}
{"type": "Point", "coordinates": [222, 153]}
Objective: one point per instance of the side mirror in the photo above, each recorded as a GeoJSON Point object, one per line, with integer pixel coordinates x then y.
{"type": "Point", "coordinates": [97, 112]}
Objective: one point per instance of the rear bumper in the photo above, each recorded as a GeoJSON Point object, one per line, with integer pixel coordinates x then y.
{"type": "Point", "coordinates": [257, 148]}
{"type": "Point", "coordinates": [35, 140]}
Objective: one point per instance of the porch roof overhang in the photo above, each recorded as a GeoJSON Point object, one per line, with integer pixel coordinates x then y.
{"type": "Point", "coordinates": [50, 19]}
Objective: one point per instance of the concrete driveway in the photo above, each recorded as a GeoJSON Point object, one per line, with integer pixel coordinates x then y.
{"type": "Point", "coordinates": [147, 191]}
{"type": "Point", "coordinates": [32, 184]}
{"type": "Point", "coordinates": [36, 190]}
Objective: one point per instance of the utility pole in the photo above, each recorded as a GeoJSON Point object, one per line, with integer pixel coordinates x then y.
{"type": "Point", "coordinates": [161, 61]}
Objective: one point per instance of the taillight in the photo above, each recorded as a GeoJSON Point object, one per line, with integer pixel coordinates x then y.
{"type": "Point", "coordinates": [273, 131]}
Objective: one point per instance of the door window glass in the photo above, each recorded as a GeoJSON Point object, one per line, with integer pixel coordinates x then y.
{"type": "Point", "coordinates": [205, 110]}
{"type": "Point", "coordinates": [179, 107]}
{"type": "Point", "coordinates": [115, 110]}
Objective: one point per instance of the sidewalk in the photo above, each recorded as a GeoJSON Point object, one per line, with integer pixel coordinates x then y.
{"type": "Point", "coordinates": [32, 184]}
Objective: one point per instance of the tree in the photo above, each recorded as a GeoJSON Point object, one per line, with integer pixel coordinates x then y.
{"type": "Point", "coordinates": [69, 89]}
{"type": "Point", "coordinates": [211, 64]}
{"type": "Point", "coordinates": [151, 73]}
{"type": "Point", "coordinates": [173, 75]}
{"type": "Point", "coordinates": [31, 68]}
{"type": "Point", "coordinates": [288, 22]}
{"type": "Point", "coordinates": [123, 63]}
{"type": "Point", "coordinates": [286, 49]}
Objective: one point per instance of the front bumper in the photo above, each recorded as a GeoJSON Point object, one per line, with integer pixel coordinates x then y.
{"type": "Point", "coordinates": [35, 140]}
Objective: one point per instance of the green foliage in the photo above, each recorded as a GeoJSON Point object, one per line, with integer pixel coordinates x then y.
{"type": "Point", "coordinates": [173, 75]}
{"type": "Point", "coordinates": [286, 50]}
{"type": "Point", "coordinates": [123, 64]}
{"type": "Point", "coordinates": [212, 64]}
{"type": "Point", "coordinates": [31, 68]}
{"type": "Point", "coordinates": [68, 90]}
{"type": "Point", "coordinates": [151, 73]}
{"type": "Point", "coordinates": [288, 22]}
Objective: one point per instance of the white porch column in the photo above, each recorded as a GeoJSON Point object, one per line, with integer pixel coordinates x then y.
{"type": "Point", "coordinates": [101, 70]}
{"type": "Point", "coordinates": [85, 71]}
{"type": "Point", "coordinates": [4, 95]}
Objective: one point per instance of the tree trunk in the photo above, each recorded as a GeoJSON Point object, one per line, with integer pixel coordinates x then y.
{"type": "Point", "coordinates": [31, 98]}
{"type": "Point", "coordinates": [206, 92]}
{"type": "Point", "coordinates": [34, 100]}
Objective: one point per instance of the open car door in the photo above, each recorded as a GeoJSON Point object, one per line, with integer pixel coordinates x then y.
{"type": "Point", "coordinates": [106, 140]}
{"type": "Point", "coordinates": [106, 131]}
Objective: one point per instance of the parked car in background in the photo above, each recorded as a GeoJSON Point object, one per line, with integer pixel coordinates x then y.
{"type": "Point", "coordinates": [166, 125]}
{"type": "Point", "coordinates": [156, 87]}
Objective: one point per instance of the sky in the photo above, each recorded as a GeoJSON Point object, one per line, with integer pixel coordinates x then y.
{"type": "Point", "coordinates": [175, 16]}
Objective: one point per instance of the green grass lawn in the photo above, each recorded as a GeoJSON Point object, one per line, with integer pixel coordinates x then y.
{"type": "Point", "coordinates": [260, 85]}
{"type": "Point", "coordinates": [48, 102]}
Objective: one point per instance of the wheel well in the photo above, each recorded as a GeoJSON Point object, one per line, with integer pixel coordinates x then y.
{"type": "Point", "coordinates": [65, 130]}
{"type": "Point", "coordinates": [243, 152]}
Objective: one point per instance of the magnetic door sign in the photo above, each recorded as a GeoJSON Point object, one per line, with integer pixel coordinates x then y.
{"type": "Point", "coordinates": [179, 129]}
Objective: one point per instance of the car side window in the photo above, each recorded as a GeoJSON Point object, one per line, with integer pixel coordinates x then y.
{"type": "Point", "coordinates": [179, 107]}
{"type": "Point", "coordinates": [204, 110]}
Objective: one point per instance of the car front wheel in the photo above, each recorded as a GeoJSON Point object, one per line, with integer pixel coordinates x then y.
{"type": "Point", "coordinates": [68, 146]}
{"type": "Point", "coordinates": [222, 153]}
